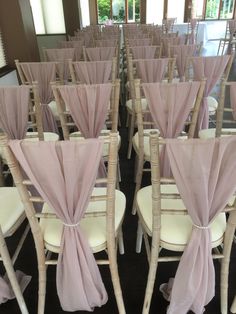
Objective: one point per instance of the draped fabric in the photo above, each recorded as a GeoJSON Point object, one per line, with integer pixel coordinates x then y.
{"type": "Point", "coordinates": [170, 41]}
{"type": "Point", "coordinates": [73, 166]}
{"type": "Point", "coordinates": [143, 52]}
{"type": "Point", "coordinates": [61, 55]}
{"type": "Point", "coordinates": [151, 70]}
{"type": "Point", "coordinates": [107, 43]}
{"type": "Point", "coordinates": [182, 53]}
{"type": "Point", "coordinates": [43, 73]}
{"type": "Point", "coordinates": [170, 106]}
{"type": "Point", "coordinates": [211, 68]}
{"type": "Point", "coordinates": [88, 105]}
{"type": "Point", "coordinates": [77, 45]}
{"type": "Point", "coordinates": [93, 72]}
{"type": "Point", "coordinates": [233, 98]}
{"type": "Point", "coordinates": [205, 173]}
{"type": "Point", "coordinates": [100, 53]}
{"type": "Point", "coordinates": [14, 108]}
{"type": "Point", "coordinates": [140, 42]}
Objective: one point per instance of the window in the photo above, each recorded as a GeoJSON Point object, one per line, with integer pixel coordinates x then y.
{"type": "Point", "coordinates": [48, 16]}
{"type": "Point", "coordinates": [213, 9]}
{"type": "Point", "coordinates": [120, 11]}
{"type": "Point", "coordinates": [84, 7]}
{"type": "Point", "coordinates": [3, 61]}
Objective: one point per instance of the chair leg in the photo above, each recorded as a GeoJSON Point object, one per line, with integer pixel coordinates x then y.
{"type": "Point", "coordinates": [139, 176]}
{"type": "Point", "coordinates": [139, 238]}
{"type": "Point", "coordinates": [233, 306]}
{"type": "Point", "coordinates": [121, 242]}
{"type": "Point", "coordinates": [131, 133]}
{"type": "Point", "coordinates": [41, 288]}
{"type": "Point", "coordinates": [229, 236]}
{"type": "Point", "coordinates": [11, 274]}
{"type": "Point", "coordinates": [114, 274]}
{"type": "Point", "coordinates": [151, 275]}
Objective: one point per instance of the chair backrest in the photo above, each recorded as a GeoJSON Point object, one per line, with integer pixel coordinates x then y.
{"type": "Point", "coordinates": [151, 70]}
{"type": "Point", "coordinates": [140, 42]}
{"type": "Point", "coordinates": [172, 106]}
{"type": "Point", "coordinates": [167, 41]}
{"type": "Point", "coordinates": [61, 55]}
{"type": "Point", "coordinates": [73, 165]}
{"type": "Point", "coordinates": [194, 282]}
{"type": "Point", "coordinates": [43, 73]}
{"type": "Point", "coordinates": [77, 45]}
{"type": "Point", "coordinates": [168, 24]}
{"type": "Point", "coordinates": [90, 106]}
{"type": "Point", "coordinates": [106, 43]}
{"type": "Point", "coordinates": [93, 72]}
{"type": "Point", "coordinates": [192, 31]}
{"type": "Point", "coordinates": [19, 111]}
{"type": "Point", "coordinates": [99, 53]}
{"type": "Point", "coordinates": [145, 52]}
{"type": "Point", "coordinates": [213, 69]}
{"type": "Point", "coordinates": [182, 53]}
{"type": "Point", "coordinates": [226, 115]}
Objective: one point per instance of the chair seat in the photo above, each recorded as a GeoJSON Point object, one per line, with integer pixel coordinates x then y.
{"type": "Point", "coordinates": [53, 107]}
{"type": "Point", "coordinates": [78, 136]}
{"type": "Point", "coordinates": [11, 210]}
{"type": "Point", "coordinates": [130, 107]}
{"type": "Point", "coordinates": [146, 146]}
{"type": "Point", "coordinates": [212, 104]}
{"type": "Point", "coordinates": [94, 228]}
{"type": "Point", "coordinates": [175, 229]}
{"type": "Point", "coordinates": [32, 136]}
{"type": "Point", "coordinates": [210, 133]}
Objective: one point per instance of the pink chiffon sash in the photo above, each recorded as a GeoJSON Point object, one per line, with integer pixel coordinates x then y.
{"type": "Point", "coordinates": [14, 108]}
{"type": "Point", "coordinates": [211, 68]}
{"type": "Point", "coordinates": [233, 98]}
{"type": "Point", "coordinates": [205, 172]}
{"type": "Point", "coordinates": [170, 106]}
{"type": "Point", "coordinates": [100, 53]}
{"type": "Point", "coordinates": [143, 52]}
{"type": "Point", "coordinates": [43, 73]}
{"type": "Point", "coordinates": [73, 166]}
{"type": "Point", "coordinates": [151, 70]}
{"type": "Point", "coordinates": [93, 72]}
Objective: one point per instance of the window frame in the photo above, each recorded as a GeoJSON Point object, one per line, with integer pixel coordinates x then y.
{"type": "Point", "coordinates": [126, 13]}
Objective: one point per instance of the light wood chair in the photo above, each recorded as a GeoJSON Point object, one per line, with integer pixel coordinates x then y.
{"type": "Point", "coordinates": [229, 40]}
{"type": "Point", "coordinates": [93, 72]}
{"type": "Point", "coordinates": [145, 126]}
{"type": "Point", "coordinates": [42, 73]}
{"type": "Point", "coordinates": [101, 223]}
{"type": "Point", "coordinates": [225, 121]}
{"type": "Point", "coordinates": [164, 218]}
{"type": "Point", "coordinates": [166, 72]}
{"type": "Point", "coordinates": [12, 215]}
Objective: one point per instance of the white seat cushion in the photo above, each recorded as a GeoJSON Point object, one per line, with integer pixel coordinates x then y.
{"type": "Point", "coordinates": [78, 136]}
{"type": "Point", "coordinates": [175, 229]}
{"type": "Point", "coordinates": [94, 228]}
{"type": "Point", "coordinates": [53, 107]}
{"type": "Point", "coordinates": [130, 107]}
{"type": "Point", "coordinates": [11, 208]}
{"type": "Point", "coordinates": [48, 136]}
{"type": "Point", "coordinates": [210, 133]}
{"type": "Point", "coordinates": [146, 143]}
{"type": "Point", "coordinates": [212, 105]}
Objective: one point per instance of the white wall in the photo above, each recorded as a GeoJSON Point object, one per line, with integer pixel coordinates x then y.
{"type": "Point", "coordinates": [48, 41]}
{"type": "Point", "coordinates": [9, 79]}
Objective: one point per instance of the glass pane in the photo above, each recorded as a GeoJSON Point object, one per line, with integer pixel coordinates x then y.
{"type": "Point", "coordinates": [197, 8]}
{"type": "Point", "coordinates": [104, 10]}
{"type": "Point", "coordinates": [84, 8]}
{"type": "Point", "coordinates": [37, 12]}
{"type": "Point", "coordinates": [227, 9]}
{"type": "Point", "coordinates": [53, 16]}
{"type": "Point", "coordinates": [212, 9]}
{"type": "Point", "coordinates": [137, 10]}
{"type": "Point", "coordinates": [133, 11]}
{"type": "Point", "coordinates": [118, 11]}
